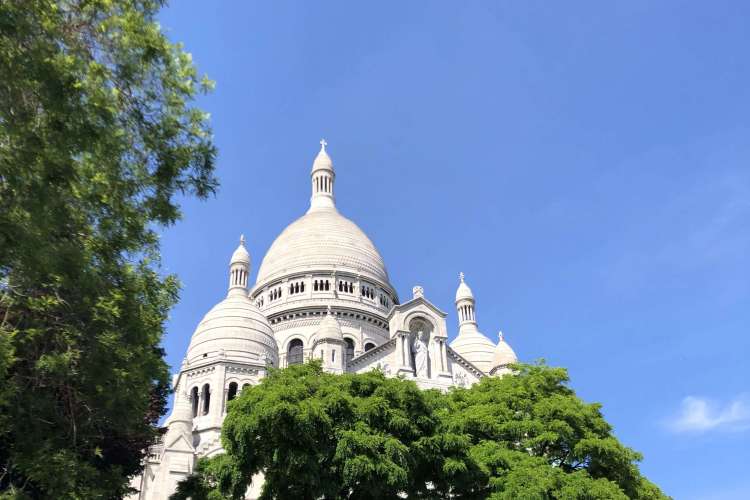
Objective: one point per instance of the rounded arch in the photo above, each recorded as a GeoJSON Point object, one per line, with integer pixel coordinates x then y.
{"type": "Point", "coordinates": [413, 319]}
{"type": "Point", "coordinates": [369, 346]}
{"type": "Point", "coordinates": [292, 338]}
{"type": "Point", "coordinates": [349, 347]}
{"type": "Point", "coordinates": [194, 400]}
{"type": "Point", "coordinates": [232, 389]}
{"type": "Point", "coordinates": [206, 399]}
{"type": "Point", "coordinates": [295, 352]}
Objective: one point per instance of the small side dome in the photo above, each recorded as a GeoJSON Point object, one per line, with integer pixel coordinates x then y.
{"type": "Point", "coordinates": [329, 329]}
{"type": "Point", "coordinates": [241, 255]}
{"type": "Point", "coordinates": [234, 330]}
{"type": "Point", "coordinates": [473, 346]}
{"type": "Point", "coordinates": [463, 292]}
{"type": "Point", "coordinates": [504, 354]}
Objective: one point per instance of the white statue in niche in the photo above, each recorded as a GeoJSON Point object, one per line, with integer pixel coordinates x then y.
{"type": "Point", "coordinates": [421, 355]}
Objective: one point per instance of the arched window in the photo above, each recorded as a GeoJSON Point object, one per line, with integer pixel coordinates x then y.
{"type": "Point", "coordinates": [244, 386]}
{"type": "Point", "coordinates": [369, 346]}
{"type": "Point", "coordinates": [206, 398]}
{"type": "Point", "coordinates": [349, 349]}
{"type": "Point", "coordinates": [294, 354]}
{"type": "Point", "coordinates": [315, 286]}
{"type": "Point", "coordinates": [232, 392]}
{"type": "Point", "coordinates": [194, 401]}
{"type": "Point", "coordinates": [327, 285]}
{"type": "Point", "coordinates": [302, 287]}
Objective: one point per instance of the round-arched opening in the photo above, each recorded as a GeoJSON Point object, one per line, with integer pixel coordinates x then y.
{"type": "Point", "coordinates": [206, 398]}
{"type": "Point", "coordinates": [349, 349]}
{"type": "Point", "coordinates": [232, 391]}
{"type": "Point", "coordinates": [194, 401]}
{"type": "Point", "coordinates": [369, 346]}
{"type": "Point", "coordinates": [295, 352]}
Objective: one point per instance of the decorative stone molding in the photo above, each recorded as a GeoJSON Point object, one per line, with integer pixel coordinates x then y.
{"type": "Point", "coordinates": [372, 353]}
{"type": "Point", "coordinates": [244, 370]}
{"type": "Point", "coordinates": [200, 371]}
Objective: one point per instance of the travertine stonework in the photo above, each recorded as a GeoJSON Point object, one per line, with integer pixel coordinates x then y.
{"type": "Point", "coordinates": [322, 292]}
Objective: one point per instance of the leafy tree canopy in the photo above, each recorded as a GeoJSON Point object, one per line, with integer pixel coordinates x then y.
{"type": "Point", "coordinates": [317, 435]}
{"type": "Point", "coordinates": [97, 137]}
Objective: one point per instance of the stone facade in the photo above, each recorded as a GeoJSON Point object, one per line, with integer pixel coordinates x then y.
{"type": "Point", "coordinates": [323, 292]}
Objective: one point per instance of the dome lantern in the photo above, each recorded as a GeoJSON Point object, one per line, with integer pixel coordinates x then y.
{"type": "Point", "coordinates": [322, 178]}
{"type": "Point", "coordinates": [239, 269]}
{"type": "Point", "coordinates": [470, 342]}
{"type": "Point", "coordinates": [465, 304]}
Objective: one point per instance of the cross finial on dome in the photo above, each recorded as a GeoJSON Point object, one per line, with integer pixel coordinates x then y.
{"type": "Point", "coordinates": [461, 276]}
{"type": "Point", "coordinates": [242, 240]}
{"type": "Point", "coordinates": [323, 144]}
{"type": "Point", "coordinates": [500, 335]}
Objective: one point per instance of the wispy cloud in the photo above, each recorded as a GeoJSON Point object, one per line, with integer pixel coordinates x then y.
{"type": "Point", "coordinates": [701, 415]}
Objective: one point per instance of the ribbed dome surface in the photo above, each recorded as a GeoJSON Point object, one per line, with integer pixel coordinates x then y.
{"type": "Point", "coordinates": [236, 329]}
{"type": "Point", "coordinates": [476, 348]}
{"type": "Point", "coordinates": [322, 239]}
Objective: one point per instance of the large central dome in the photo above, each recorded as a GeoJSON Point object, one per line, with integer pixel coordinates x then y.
{"type": "Point", "coordinates": [322, 239]}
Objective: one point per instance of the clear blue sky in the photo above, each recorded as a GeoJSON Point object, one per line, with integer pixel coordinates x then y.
{"type": "Point", "coordinates": [586, 164]}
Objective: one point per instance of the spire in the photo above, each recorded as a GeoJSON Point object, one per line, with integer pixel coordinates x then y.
{"type": "Point", "coordinates": [239, 268]}
{"type": "Point", "coordinates": [322, 178]}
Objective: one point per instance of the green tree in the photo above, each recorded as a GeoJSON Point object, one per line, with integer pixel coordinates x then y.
{"type": "Point", "coordinates": [97, 138]}
{"type": "Point", "coordinates": [318, 435]}
{"type": "Point", "coordinates": [532, 437]}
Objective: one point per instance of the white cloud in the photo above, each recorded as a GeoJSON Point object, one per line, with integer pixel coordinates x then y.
{"type": "Point", "coordinates": [700, 415]}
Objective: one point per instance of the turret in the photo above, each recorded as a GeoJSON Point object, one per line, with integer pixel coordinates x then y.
{"type": "Point", "coordinates": [239, 269]}
{"type": "Point", "coordinates": [465, 306]}
{"type": "Point", "coordinates": [322, 178]}
{"type": "Point", "coordinates": [470, 342]}
{"type": "Point", "coordinates": [329, 345]}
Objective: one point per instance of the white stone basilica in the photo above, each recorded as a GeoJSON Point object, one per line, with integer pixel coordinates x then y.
{"type": "Point", "coordinates": [322, 292]}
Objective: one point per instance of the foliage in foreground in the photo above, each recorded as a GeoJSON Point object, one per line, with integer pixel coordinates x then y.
{"type": "Point", "coordinates": [96, 138]}
{"type": "Point", "coordinates": [317, 435]}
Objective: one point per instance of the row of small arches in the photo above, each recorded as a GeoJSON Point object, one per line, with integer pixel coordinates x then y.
{"type": "Point", "coordinates": [275, 294]}
{"type": "Point", "coordinates": [346, 286]}
{"type": "Point", "coordinates": [296, 350]}
{"type": "Point", "coordinates": [467, 313]}
{"type": "Point", "coordinates": [296, 288]}
{"type": "Point", "coordinates": [321, 285]}
{"type": "Point", "coordinates": [323, 184]}
{"type": "Point", "coordinates": [239, 277]}
{"type": "Point", "coordinates": [201, 400]}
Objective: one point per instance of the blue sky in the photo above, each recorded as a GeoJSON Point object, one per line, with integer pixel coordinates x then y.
{"type": "Point", "coordinates": [586, 164]}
